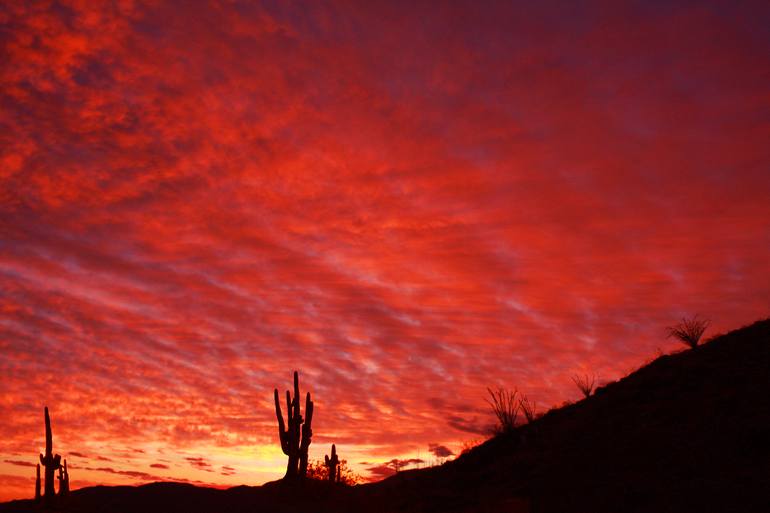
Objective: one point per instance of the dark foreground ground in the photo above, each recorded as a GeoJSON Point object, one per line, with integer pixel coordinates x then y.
{"type": "Point", "coordinates": [687, 433]}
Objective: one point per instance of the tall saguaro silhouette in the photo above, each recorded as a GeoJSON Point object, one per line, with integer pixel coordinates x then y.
{"type": "Point", "coordinates": [50, 461]}
{"type": "Point", "coordinates": [295, 435]}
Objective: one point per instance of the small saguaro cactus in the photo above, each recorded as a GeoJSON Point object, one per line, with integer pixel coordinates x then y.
{"type": "Point", "coordinates": [295, 435]}
{"type": "Point", "coordinates": [50, 461]}
{"type": "Point", "coordinates": [37, 484]}
{"type": "Point", "coordinates": [333, 464]}
{"type": "Point", "coordinates": [64, 480]}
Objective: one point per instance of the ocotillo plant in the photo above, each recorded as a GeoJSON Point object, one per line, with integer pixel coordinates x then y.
{"type": "Point", "coordinates": [332, 464]}
{"type": "Point", "coordinates": [295, 440]}
{"type": "Point", "coordinates": [50, 461]}
{"type": "Point", "coordinates": [37, 484]}
{"type": "Point", "coordinates": [64, 480]}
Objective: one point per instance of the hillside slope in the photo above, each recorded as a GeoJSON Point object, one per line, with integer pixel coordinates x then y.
{"type": "Point", "coordinates": [688, 432]}
{"type": "Point", "coordinates": [685, 433]}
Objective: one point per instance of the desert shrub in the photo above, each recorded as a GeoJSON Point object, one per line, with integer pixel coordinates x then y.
{"type": "Point", "coordinates": [318, 470]}
{"type": "Point", "coordinates": [689, 331]}
{"type": "Point", "coordinates": [585, 383]}
{"type": "Point", "coordinates": [505, 407]}
{"type": "Point", "coordinates": [529, 408]}
{"type": "Point", "coordinates": [469, 445]}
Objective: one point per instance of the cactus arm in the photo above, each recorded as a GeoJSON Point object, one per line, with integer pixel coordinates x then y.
{"type": "Point", "coordinates": [279, 413]}
{"type": "Point", "coordinates": [307, 434]}
{"type": "Point", "coordinates": [282, 435]}
{"type": "Point", "coordinates": [308, 410]}
{"type": "Point", "coordinates": [48, 435]}
{"type": "Point", "coordinates": [288, 409]}
{"type": "Point", "coordinates": [37, 483]}
{"type": "Point", "coordinates": [297, 414]}
{"type": "Point", "coordinates": [307, 427]}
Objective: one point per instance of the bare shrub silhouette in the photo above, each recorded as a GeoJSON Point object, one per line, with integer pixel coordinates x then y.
{"type": "Point", "coordinates": [293, 444]}
{"type": "Point", "coordinates": [585, 383]}
{"type": "Point", "coordinates": [505, 407]}
{"type": "Point", "coordinates": [689, 331]}
{"type": "Point", "coordinates": [529, 408]}
{"type": "Point", "coordinates": [318, 470]}
{"type": "Point", "coordinates": [469, 445]}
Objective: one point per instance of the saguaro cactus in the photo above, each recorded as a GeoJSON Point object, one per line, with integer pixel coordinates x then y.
{"type": "Point", "coordinates": [295, 435]}
{"type": "Point", "coordinates": [37, 484]}
{"type": "Point", "coordinates": [50, 461]}
{"type": "Point", "coordinates": [333, 464]}
{"type": "Point", "coordinates": [64, 480]}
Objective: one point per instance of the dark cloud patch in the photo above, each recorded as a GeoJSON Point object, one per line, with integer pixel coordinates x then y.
{"type": "Point", "coordinates": [199, 463]}
{"type": "Point", "coordinates": [391, 467]}
{"type": "Point", "coordinates": [472, 425]}
{"type": "Point", "coordinates": [440, 451]}
{"type": "Point", "coordinates": [21, 463]}
{"type": "Point", "coordinates": [130, 473]}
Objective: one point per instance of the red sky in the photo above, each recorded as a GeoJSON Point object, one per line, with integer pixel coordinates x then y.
{"type": "Point", "coordinates": [406, 203]}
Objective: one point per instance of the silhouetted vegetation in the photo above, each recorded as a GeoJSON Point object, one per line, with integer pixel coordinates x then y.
{"type": "Point", "coordinates": [50, 462]}
{"type": "Point", "coordinates": [585, 383]}
{"type": "Point", "coordinates": [469, 445]}
{"type": "Point", "coordinates": [332, 465]}
{"type": "Point", "coordinates": [294, 442]}
{"type": "Point", "coordinates": [344, 475]}
{"type": "Point", "coordinates": [643, 438]}
{"type": "Point", "coordinates": [64, 480]}
{"type": "Point", "coordinates": [529, 408]}
{"type": "Point", "coordinates": [689, 331]}
{"type": "Point", "coordinates": [37, 484]}
{"type": "Point", "coordinates": [505, 407]}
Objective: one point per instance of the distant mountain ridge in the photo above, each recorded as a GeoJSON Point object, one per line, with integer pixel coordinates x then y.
{"type": "Point", "coordinates": [688, 432]}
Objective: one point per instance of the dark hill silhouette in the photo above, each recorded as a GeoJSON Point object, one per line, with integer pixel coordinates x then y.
{"type": "Point", "coordinates": [688, 432]}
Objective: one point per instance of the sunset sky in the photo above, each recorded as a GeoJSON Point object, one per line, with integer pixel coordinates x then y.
{"type": "Point", "coordinates": [406, 202]}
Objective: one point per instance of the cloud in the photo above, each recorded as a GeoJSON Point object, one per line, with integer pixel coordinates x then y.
{"type": "Point", "coordinates": [130, 473]}
{"type": "Point", "coordinates": [159, 465]}
{"type": "Point", "coordinates": [440, 451]}
{"type": "Point", "coordinates": [21, 463]}
{"type": "Point", "coordinates": [470, 426]}
{"type": "Point", "coordinates": [200, 463]}
{"type": "Point", "coordinates": [391, 467]}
